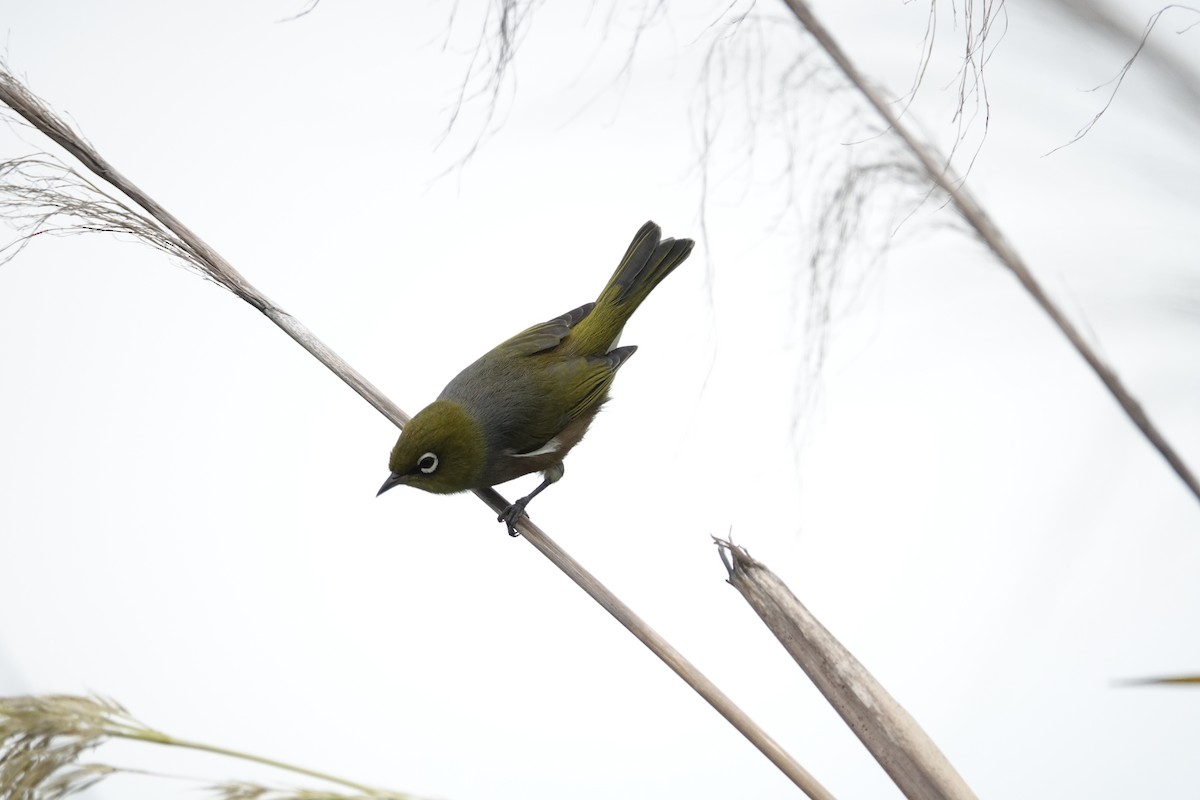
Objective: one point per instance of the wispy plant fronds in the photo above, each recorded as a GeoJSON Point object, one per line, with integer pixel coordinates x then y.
{"type": "Point", "coordinates": [489, 68]}
{"type": "Point", "coordinates": [939, 173]}
{"type": "Point", "coordinates": [45, 188]}
{"type": "Point", "coordinates": [489, 79]}
{"type": "Point", "coordinates": [861, 215]}
{"type": "Point", "coordinates": [845, 188]}
{"type": "Point", "coordinates": [980, 38]}
{"type": "Point", "coordinates": [41, 195]}
{"type": "Point", "coordinates": [46, 193]}
{"type": "Point", "coordinates": [304, 12]}
{"type": "Point", "coordinates": [1185, 79]}
{"type": "Point", "coordinates": [42, 739]}
{"type": "Point", "coordinates": [873, 173]}
{"type": "Point", "coordinates": [1101, 17]}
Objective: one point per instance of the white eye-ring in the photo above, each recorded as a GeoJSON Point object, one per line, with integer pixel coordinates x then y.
{"type": "Point", "coordinates": [428, 463]}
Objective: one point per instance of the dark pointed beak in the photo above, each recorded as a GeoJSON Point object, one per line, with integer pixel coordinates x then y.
{"type": "Point", "coordinates": [395, 479]}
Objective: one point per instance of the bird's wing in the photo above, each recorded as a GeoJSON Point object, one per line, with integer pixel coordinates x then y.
{"type": "Point", "coordinates": [591, 377]}
{"type": "Point", "coordinates": [524, 405]}
{"type": "Point", "coordinates": [580, 387]}
{"type": "Point", "coordinates": [546, 335]}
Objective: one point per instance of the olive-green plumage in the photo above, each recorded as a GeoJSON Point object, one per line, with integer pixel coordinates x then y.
{"type": "Point", "coordinates": [522, 406]}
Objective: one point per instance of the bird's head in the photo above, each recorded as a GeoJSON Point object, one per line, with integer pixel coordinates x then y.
{"type": "Point", "coordinates": [442, 450]}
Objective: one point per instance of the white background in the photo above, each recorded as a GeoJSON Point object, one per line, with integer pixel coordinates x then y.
{"type": "Point", "coordinates": [189, 523]}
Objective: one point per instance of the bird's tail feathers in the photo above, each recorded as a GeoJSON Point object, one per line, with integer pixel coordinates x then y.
{"type": "Point", "coordinates": [649, 260]}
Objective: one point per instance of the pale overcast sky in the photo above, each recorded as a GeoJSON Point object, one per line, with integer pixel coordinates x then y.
{"type": "Point", "coordinates": [190, 525]}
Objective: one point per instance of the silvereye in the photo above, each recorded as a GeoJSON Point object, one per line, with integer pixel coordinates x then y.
{"type": "Point", "coordinates": [522, 406]}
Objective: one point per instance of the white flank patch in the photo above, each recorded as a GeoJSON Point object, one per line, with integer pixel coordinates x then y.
{"type": "Point", "coordinates": [548, 447]}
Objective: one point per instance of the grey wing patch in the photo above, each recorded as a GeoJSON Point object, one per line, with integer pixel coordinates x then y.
{"type": "Point", "coordinates": [616, 356]}
{"type": "Point", "coordinates": [549, 334]}
{"type": "Point", "coordinates": [575, 315]}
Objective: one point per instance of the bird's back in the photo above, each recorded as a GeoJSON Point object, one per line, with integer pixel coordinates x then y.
{"type": "Point", "coordinates": [535, 394]}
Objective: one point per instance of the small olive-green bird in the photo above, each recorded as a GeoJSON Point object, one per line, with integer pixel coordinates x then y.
{"type": "Point", "coordinates": [523, 405]}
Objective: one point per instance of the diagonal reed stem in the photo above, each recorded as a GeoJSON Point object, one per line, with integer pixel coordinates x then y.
{"type": "Point", "coordinates": [23, 102]}
{"type": "Point", "coordinates": [988, 231]}
{"type": "Point", "coordinates": [161, 738]}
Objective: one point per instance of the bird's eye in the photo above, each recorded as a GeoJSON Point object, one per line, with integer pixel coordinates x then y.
{"type": "Point", "coordinates": [428, 463]}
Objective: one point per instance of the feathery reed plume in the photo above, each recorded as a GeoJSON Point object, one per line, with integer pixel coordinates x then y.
{"type": "Point", "coordinates": [38, 183]}
{"type": "Point", "coordinates": [43, 737]}
{"type": "Point", "coordinates": [41, 195]}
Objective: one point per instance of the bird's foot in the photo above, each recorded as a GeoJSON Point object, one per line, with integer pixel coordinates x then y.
{"type": "Point", "coordinates": [511, 514]}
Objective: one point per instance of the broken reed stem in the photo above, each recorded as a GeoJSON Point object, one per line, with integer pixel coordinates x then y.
{"type": "Point", "coordinates": [910, 758]}
{"type": "Point", "coordinates": [669, 655]}
{"type": "Point", "coordinates": [994, 239]}
{"type": "Point", "coordinates": [23, 102]}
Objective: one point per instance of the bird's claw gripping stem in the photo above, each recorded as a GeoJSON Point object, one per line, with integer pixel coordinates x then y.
{"type": "Point", "coordinates": [517, 509]}
{"type": "Point", "coordinates": [513, 513]}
